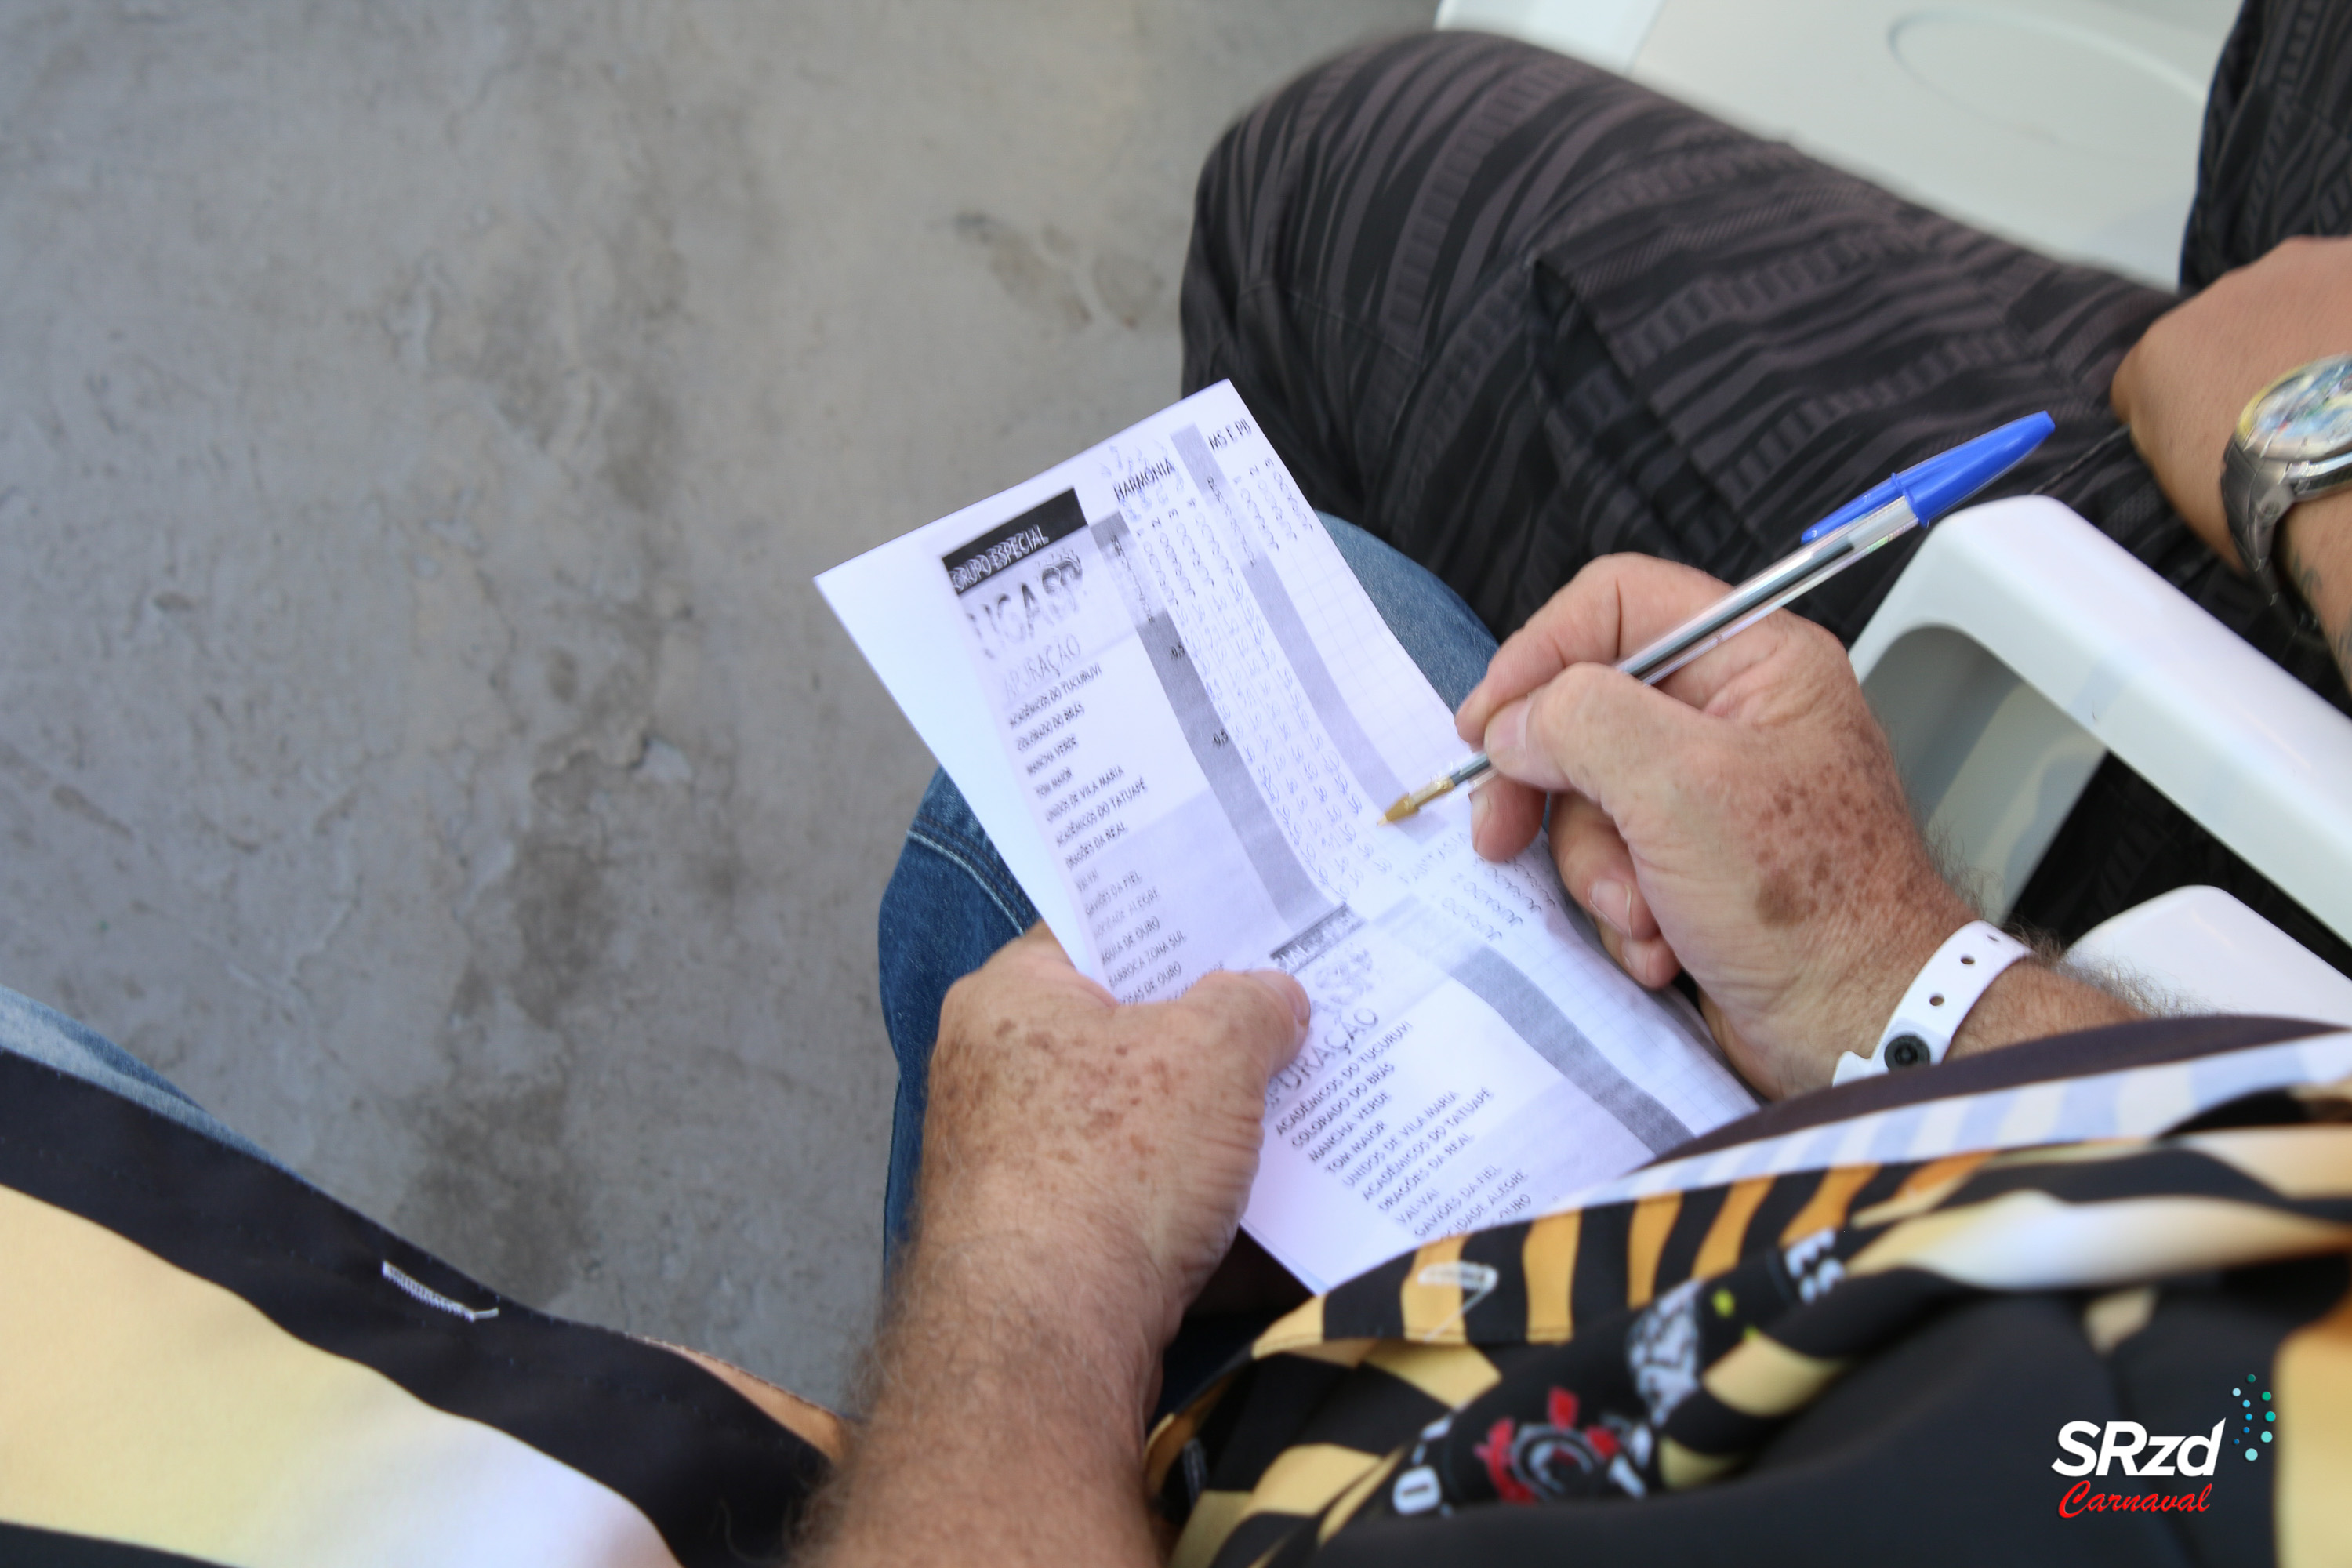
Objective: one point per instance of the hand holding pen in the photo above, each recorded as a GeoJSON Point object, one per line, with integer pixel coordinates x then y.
{"type": "Point", "coordinates": [1750, 829]}
{"type": "Point", "coordinates": [1912, 499]}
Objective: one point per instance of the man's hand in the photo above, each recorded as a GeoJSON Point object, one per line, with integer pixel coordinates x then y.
{"type": "Point", "coordinates": [1744, 820]}
{"type": "Point", "coordinates": [2183, 386]}
{"type": "Point", "coordinates": [1121, 1139]}
{"type": "Point", "coordinates": [1084, 1166]}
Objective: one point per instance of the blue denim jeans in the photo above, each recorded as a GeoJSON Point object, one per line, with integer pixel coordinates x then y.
{"type": "Point", "coordinates": [951, 902]}
{"type": "Point", "coordinates": [47, 1035]}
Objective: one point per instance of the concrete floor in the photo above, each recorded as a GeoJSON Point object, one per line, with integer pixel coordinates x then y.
{"type": "Point", "coordinates": [419, 428]}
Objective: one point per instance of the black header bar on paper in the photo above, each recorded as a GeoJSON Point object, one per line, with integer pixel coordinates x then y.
{"type": "Point", "coordinates": [970, 565]}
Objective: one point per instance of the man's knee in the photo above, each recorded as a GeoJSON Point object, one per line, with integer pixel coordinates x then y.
{"type": "Point", "coordinates": [1359, 120]}
{"type": "Point", "coordinates": [1324, 208]}
{"type": "Point", "coordinates": [1319, 213]}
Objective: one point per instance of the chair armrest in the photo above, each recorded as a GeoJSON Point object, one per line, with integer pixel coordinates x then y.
{"type": "Point", "coordinates": [2200, 949]}
{"type": "Point", "coordinates": [2253, 755]}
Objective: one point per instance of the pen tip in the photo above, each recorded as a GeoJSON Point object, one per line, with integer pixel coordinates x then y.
{"type": "Point", "coordinates": [1411, 801]}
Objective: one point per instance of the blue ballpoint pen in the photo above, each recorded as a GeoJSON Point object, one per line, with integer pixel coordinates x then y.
{"type": "Point", "coordinates": [1912, 499]}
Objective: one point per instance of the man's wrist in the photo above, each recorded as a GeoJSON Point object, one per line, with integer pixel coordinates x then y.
{"type": "Point", "coordinates": [1904, 945]}
{"type": "Point", "coordinates": [1007, 1418]}
{"type": "Point", "coordinates": [2315, 554]}
{"type": "Point", "coordinates": [1048, 1283]}
{"type": "Point", "coordinates": [1017, 1305]}
{"type": "Point", "coordinates": [2028, 1000]}
{"type": "Point", "coordinates": [2032, 1001]}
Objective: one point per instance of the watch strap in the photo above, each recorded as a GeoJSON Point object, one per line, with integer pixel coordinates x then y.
{"type": "Point", "coordinates": [1931, 1012]}
{"type": "Point", "coordinates": [2255, 496]}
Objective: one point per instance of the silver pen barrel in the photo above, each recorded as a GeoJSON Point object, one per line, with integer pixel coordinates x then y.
{"type": "Point", "coordinates": [1808, 568]}
{"type": "Point", "coordinates": [1769, 589]}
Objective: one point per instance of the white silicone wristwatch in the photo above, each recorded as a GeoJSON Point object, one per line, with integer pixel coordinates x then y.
{"type": "Point", "coordinates": [1930, 1012]}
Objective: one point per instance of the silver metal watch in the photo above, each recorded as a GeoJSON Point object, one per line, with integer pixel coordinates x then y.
{"type": "Point", "coordinates": [2293, 442]}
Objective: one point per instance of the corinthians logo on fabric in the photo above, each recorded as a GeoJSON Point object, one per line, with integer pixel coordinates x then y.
{"type": "Point", "coordinates": [1555, 1457]}
{"type": "Point", "coordinates": [2131, 1450]}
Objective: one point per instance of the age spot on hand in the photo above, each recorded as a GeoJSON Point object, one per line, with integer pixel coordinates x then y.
{"type": "Point", "coordinates": [1781, 901]}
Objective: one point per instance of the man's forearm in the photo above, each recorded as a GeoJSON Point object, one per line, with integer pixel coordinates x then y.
{"type": "Point", "coordinates": [1085, 1165]}
{"type": "Point", "coordinates": [1005, 1425]}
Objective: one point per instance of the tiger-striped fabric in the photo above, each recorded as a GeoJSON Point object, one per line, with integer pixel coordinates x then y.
{"type": "Point", "coordinates": [1870, 1362]}
{"type": "Point", "coordinates": [1510, 312]}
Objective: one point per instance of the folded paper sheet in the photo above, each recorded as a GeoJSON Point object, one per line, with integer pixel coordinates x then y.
{"type": "Point", "coordinates": [1177, 716]}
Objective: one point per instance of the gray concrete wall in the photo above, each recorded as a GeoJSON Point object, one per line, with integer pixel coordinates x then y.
{"type": "Point", "coordinates": [419, 427]}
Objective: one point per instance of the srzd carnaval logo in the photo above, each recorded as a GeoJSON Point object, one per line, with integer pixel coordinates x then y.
{"type": "Point", "coordinates": [2138, 1452]}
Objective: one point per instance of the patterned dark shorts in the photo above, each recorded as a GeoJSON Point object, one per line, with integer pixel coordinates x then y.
{"type": "Point", "coordinates": [1510, 312]}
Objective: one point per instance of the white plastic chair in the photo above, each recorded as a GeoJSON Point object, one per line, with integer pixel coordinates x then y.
{"type": "Point", "coordinates": [2069, 125]}
{"type": "Point", "coordinates": [2019, 647]}
{"type": "Point", "coordinates": [2202, 951]}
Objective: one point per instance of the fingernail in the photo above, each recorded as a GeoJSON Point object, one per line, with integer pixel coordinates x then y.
{"type": "Point", "coordinates": [1612, 903]}
{"type": "Point", "coordinates": [1506, 733]}
{"type": "Point", "coordinates": [1480, 809]}
{"type": "Point", "coordinates": [1301, 1009]}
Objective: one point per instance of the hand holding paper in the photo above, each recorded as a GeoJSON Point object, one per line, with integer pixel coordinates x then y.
{"type": "Point", "coordinates": [1177, 716]}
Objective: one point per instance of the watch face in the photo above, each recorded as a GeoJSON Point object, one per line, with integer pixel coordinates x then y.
{"type": "Point", "coordinates": [2303, 415]}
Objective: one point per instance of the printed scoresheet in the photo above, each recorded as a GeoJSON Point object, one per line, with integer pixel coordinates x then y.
{"type": "Point", "coordinates": [1178, 718]}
